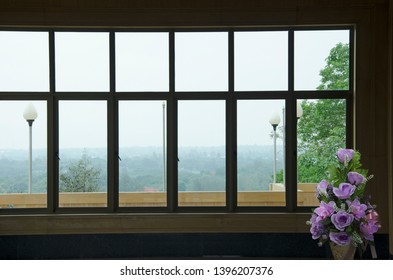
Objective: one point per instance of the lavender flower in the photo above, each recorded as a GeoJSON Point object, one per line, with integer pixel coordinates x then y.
{"type": "Point", "coordinates": [340, 238]}
{"type": "Point", "coordinates": [317, 229]}
{"type": "Point", "coordinates": [345, 155]}
{"type": "Point", "coordinates": [344, 215]}
{"type": "Point", "coordinates": [355, 178]}
{"type": "Point", "coordinates": [342, 219]}
{"type": "Point", "coordinates": [358, 210]}
{"type": "Point", "coordinates": [322, 187]}
{"type": "Point", "coordinates": [324, 210]}
{"type": "Point", "coordinates": [344, 190]}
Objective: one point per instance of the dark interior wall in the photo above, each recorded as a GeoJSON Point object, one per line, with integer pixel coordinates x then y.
{"type": "Point", "coordinates": [173, 246]}
{"type": "Point", "coordinates": [390, 126]}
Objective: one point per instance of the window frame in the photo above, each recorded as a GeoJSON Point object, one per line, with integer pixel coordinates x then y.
{"type": "Point", "coordinates": [112, 97]}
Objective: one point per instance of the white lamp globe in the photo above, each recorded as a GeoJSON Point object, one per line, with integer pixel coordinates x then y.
{"type": "Point", "coordinates": [30, 113]}
{"type": "Point", "coordinates": [275, 119]}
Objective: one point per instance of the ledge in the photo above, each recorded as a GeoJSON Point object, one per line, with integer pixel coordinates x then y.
{"type": "Point", "coordinates": [152, 223]}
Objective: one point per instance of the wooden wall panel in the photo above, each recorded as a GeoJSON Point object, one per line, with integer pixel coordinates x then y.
{"type": "Point", "coordinates": [390, 129]}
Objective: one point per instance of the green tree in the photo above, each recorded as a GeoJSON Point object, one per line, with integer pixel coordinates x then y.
{"type": "Point", "coordinates": [80, 176]}
{"type": "Point", "coordinates": [321, 130]}
{"type": "Point", "coordinates": [335, 74]}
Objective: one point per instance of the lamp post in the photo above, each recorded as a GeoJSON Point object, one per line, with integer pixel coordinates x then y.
{"type": "Point", "coordinates": [274, 121]}
{"type": "Point", "coordinates": [30, 114]}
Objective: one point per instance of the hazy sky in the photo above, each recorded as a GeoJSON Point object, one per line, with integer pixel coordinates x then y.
{"type": "Point", "coordinates": [82, 64]}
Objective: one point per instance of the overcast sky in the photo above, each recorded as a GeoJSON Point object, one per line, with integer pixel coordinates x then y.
{"type": "Point", "coordinates": [82, 64]}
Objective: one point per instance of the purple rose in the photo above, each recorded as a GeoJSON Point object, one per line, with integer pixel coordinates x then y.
{"type": "Point", "coordinates": [317, 229]}
{"type": "Point", "coordinates": [368, 229]}
{"type": "Point", "coordinates": [345, 155]}
{"type": "Point", "coordinates": [340, 238]}
{"type": "Point", "coordinates": [341, 220]}
{"type": "Point", "coordinates": [322, 187]}
{"type": "Point", "coordinates": [355, 178]}
{"type": "Point", "coordinates": [358, 210]}
{"type": "Point", "coordinates": [324, 210]}
{"type": "Point", "coordinates": [344, 190]}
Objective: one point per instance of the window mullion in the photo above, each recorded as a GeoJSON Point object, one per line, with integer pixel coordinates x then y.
{"type": "Point", "coordinates": [231, 161]}
{"type": "Point", "coordinates": [172, 160]}
{"type": "Point", "coordinates": [290, 131]}
{"type": "Point", "coordinates": [112, 115]}
{"type": "Point", "coordinates": [53, 131]}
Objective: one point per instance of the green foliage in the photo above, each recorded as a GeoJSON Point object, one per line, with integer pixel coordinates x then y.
{"type": "Point", "coordinates": [335, 75]}
{"type": "Point", "coordinates": [338, 172]}
{"type": "Point", "coordinates": [280, 176]}
{"type": "Point", "coordinates": [80, 176]}
{"type": "Point", "coordinates": [321, 130]}
{"type": "Point", "coordinates": [14, 175]}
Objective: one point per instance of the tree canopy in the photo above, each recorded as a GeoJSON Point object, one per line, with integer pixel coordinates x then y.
{"type": "Point", "coordinates": [80, 176]}
{"type": "Point", "coordinates": [321, 130]}
{"type": "Point", "coordinates": [335, 74]}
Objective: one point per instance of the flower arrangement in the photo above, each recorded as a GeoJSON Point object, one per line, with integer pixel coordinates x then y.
{"type": "Point", "coordinates": [345, 215]}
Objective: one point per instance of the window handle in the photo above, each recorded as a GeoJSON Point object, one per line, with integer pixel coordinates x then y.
{"type": "Point", "coordinates": [57, 156]}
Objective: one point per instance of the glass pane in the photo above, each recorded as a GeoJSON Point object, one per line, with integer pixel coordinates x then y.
{"type": "Point", "coordinates": [261, 61]}
{"type": "Point", "coordinates": [201, 140]}
{"type": "Point", "coordinates": [83, 153]}
{"type": "Point", "coordinates": [20, 188]}
{"type": "Point", "coordinates": [201, 61]}
{"type": "Point", "coordinates": [142, 165]}
{"type": "Point", "coordinates": [320, 133]}
{"type": "Point", "coordinates": [322, 60]}
{"type": "Point", "coordinates": [260, 156]}
{"type": "Point", "coordinates": [142, 62]}
{"type": "Point", "coordinates": [82, 61]}
{"type": "Point", "coordinates": [24, 60]}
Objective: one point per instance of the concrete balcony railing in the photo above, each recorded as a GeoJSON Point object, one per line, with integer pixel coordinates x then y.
{"type": "Point", "coordinates": [274, 197]}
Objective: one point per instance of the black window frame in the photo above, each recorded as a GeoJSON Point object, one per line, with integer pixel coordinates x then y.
{"type": "Point", "coordinates": [290, 96]}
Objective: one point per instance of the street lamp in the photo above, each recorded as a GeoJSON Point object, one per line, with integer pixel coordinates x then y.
{"type": "Point", "coordinates": [30, 114]}
{"type": "Point", "coordinates": [274, 121]}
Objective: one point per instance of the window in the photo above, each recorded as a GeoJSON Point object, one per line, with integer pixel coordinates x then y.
{"type": "Point", "coordinates": [24, 60]}
{"type": "Point", "coordinates": [322, 60]}
{"type": "Point", "coordinates": [82, 61]}
{"type": "Point", "coordinates": [201, 61]}
{"type": "Point", "coordinates": [23, 154]}
{"type": "Point", "coordinates": [261, 61]}
{"type": "Point", "coordinates": [142, 153]}
{"type": "Point", "coordinates": [82, 153]}
{"type": "Point", "coordinates": [142, 61]}
{"type": "Point", "coordinates": [260, 165]}
{"type": "Point", "coordinates": [201, 153]}
{"type": "Point", "coordinates": [167, 120]}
